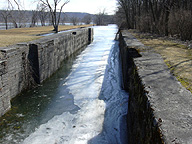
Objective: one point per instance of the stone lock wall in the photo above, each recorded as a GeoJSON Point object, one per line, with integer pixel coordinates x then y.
{"type": "Point", "coordinates": [142, 127]}
{"type": "Point", "coordinates": [14, 74]}
{"type": "Point", "coordinates": [51, 52]}
{"type": "Point", "coordinates": [159, 109]}
{"type": "Point", "coordinates": [26, 64]}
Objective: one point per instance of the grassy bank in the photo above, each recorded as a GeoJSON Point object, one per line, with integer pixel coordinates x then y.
{"type": "Point", "coordinates": [13, 36]}
{"type": "Point", "coordinates": [176, 55]}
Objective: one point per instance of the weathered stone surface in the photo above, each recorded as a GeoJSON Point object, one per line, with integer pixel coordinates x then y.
{"type": "Point", "coordinates": [159, 107]}
{"type": "Point", "coordinates": [24, 64]}
{"type": "Point", "coordinates": [11, 74]}
{"type": "Point", "coordinates": [53, 50]}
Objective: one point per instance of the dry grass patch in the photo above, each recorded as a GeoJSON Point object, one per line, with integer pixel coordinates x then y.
{"type": "Point", "coordinates": [13, 36]}
{"type": "Point", "coordinates": [177, 56]}
{"type": "Point", "coordinates": [6, 40]}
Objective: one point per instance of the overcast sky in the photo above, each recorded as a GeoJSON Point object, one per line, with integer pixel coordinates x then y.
{"type": "Point", "coordinates": [89, 6]}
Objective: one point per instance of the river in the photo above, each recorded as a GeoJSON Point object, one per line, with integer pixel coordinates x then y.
{"type": "Point", "coordinates": [83, 102]}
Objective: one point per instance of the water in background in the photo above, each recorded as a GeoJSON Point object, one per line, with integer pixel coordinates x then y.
{"type": "Point", "coordinates": [23, 25]}
{"type": "Point", "coordinates": [81, 103]}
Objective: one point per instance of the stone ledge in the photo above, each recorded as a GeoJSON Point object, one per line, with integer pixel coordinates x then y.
{"type": "Point", "coordinates": [155, 93]}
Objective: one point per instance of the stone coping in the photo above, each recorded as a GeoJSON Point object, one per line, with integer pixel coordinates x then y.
{"type": "Point", "coordinates": [170, 101]}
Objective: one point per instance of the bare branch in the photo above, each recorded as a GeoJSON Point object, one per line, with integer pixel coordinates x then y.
{"type": "Point", "coordinates": [16, 2]}
{"type": "Point", "coordinates": [53, 11]}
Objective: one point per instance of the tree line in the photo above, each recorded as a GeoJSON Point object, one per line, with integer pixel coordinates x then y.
{"type": "Point", "coordinates": [47, 12]}
{"type": "Point", "coordinates": [164, 17]}
{"type": "Point", "coordinates": [54, 8]}
{"type": "Point", "coordinates": [26, 18]}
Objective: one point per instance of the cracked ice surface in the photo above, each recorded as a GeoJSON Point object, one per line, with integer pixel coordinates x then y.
{"type": "Point", "coordinates": [95, 85]}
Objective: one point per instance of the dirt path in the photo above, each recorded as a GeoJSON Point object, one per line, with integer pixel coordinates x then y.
{"type": "Point", "coordinates": [177, 56]}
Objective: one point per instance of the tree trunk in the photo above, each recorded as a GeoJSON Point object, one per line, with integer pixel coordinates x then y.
{"type": "Point", "coordinates": [55, 29]}
{"type": "Point", "coordinates": [167, 12]}
{"type": "Point", "coordinates": [6, 24]}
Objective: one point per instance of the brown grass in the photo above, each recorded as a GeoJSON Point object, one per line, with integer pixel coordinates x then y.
{"type": "Point", "coordinates": [177, 56]}
{"type": "Point", "coordinates": [13, 36]}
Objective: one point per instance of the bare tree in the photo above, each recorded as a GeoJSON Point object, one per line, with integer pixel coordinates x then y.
{"type": "Point", "coordinates": [125, 5]}
{"type": "Point", "coordinates": [42, 13]}
{"type": "Point", "coordinates": [9, 12]}
{"type": "Point", "coordinates": [5, 15]}
{"type": "Point", "coordinates": [74, 20]}
{"type": "Point", "coordinates": [157, 16]}
{"type": "Point", "coordinates": [100, 17]}
{"type": "Point", "coordinates": [87, 19]}
{"type": "Point", "coordinates": [17, 16]}
{"type": "Point", "coordinates": [63, 19]}
{"type": "Point", "coordinates": [53, 7]}
{"type": "Point", "coordinates": [14, 2]}
{"type": "Point", "coordinates": [120, 18]}
{"type": "Point", "coordinates": [34, 18]}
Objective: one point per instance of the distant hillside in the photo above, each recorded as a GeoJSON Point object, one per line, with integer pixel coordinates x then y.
{"type": "Point", "coordinates": [16, 19]}
{"type": "Point", "coordinates": [28, 15]}
{"type": "Point", "coordinates": [77, 14]}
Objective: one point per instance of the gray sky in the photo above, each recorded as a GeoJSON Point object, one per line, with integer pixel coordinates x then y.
{"type": "Point", "coordinates": [89, 6]}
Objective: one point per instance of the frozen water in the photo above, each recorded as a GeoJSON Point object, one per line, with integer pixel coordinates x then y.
{"type": "Point", "coordinates": [101, 117]}
{"type": "Point", "coordinates": [85, 106]}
